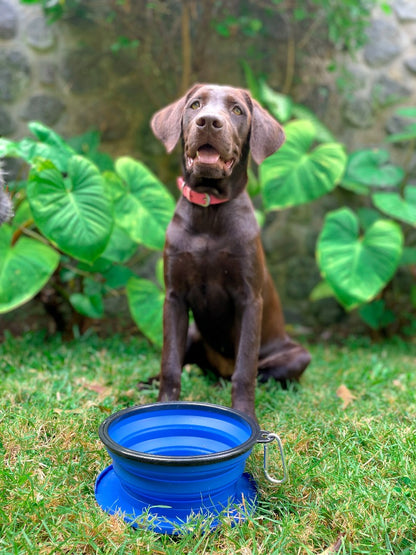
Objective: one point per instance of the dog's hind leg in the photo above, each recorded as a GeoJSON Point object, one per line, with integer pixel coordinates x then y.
{"type": "Point", "coordinates": [285, 362]}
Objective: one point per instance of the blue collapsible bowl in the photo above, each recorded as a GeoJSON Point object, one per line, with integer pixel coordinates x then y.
{"type": "Point", "coordinates": [173, 461]}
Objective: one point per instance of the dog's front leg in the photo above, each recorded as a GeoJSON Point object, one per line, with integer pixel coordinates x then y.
{"type": "Point", "coordinates": [248, 344]}
{"type": "Point", "coordinates": [175, 329]}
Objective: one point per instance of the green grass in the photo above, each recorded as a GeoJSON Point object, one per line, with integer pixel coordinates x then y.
{"type": "Point", "coordinates": [352, 470]}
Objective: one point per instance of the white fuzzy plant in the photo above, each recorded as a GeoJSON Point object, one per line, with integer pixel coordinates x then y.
{"type": "Point", "coordinates": [6, 206]}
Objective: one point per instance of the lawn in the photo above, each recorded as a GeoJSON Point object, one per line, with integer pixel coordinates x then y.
{"type": "Point", "coordinates": [349, 433]}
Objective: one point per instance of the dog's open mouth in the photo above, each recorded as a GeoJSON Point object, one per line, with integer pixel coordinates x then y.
{"type": "Point", "coordinates": [208, 155]}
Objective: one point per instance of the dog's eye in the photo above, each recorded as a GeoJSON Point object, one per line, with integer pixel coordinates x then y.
{"type": "Point", "coordinates": [195, 105]}
{"type": "Point", "coordinates": [237, 111]}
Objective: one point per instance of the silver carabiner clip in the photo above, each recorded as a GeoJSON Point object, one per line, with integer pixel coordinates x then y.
{"type": "Point", "coordinates": [269, 437]}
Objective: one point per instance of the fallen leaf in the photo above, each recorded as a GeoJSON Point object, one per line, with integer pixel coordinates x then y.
{"type": "Point", "coordinates": [399, 385]}
{"type": "Point", "coordinates": [101, 390]}
{"type": "Point", "coordinates": [97, 387]}
{"type": "Point", "coordinates": [345, 394]}
{"type": "Point", "coordinates": [245, 551]}
{"type": "Point", "coordinates": [334, 548]}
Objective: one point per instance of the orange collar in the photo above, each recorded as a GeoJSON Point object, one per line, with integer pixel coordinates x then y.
{"type": "Point", "coordinates": [201, 199]}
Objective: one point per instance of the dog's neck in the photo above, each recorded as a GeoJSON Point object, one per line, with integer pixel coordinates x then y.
{"type": "Point", "coordinates": [200, 199]}
{"type": "Point", "coordinates": [226, 188]}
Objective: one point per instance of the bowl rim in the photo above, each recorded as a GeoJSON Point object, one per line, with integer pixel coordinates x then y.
{"type": "Point", "coordinates": [140, 456]}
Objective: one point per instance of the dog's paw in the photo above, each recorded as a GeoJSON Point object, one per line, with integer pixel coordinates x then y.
{"type": "Point", "coordinates": [151, 383]}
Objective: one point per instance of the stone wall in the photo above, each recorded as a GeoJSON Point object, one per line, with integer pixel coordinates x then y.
{"type": "Point", "coordinates": [72, 76]}
{"type": "Point", "coordinates": [381, 78]}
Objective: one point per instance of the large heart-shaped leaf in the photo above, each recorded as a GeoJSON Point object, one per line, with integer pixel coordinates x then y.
{"type": "Point", "coordinates": [398, 207]}
{"type": "Point", "coordinates": [372, 167]}
{"type": "Point", "coordinates": [294, 174]}
{"type": "Point", "coordinates": [24, 268]}
{"type": "Point", "coordinates": [146, 207]}
{"type": "Point", "coordinates": [72, 211]}
{"type": "Point", "coordinates": [357, 267]}
{"type": "Point", "coordinates": [146, 306]}
{"type": "Point", "coordinates": [49, 146]}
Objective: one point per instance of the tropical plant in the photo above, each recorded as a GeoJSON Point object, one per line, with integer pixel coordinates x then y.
{"type": "Point", "coordinates": [78, 224]}
{"type": "Point", "coordinates": [359, 252]}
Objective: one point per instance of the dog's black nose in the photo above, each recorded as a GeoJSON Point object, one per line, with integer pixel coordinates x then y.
{"type": "Point", "coordinates": [208, 121]}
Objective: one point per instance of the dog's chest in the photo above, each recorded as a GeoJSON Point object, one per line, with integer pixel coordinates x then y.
{"type": "Point", "coordinates": [206, 268]}
{"type": "Point", "coordinates": [203, 261]}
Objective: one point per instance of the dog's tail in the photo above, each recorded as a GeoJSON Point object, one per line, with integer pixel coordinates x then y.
{"type": "Point", "coordinates": [6, 206]}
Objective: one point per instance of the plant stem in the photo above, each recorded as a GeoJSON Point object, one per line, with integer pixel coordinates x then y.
{"type": "Point", "coordinates": [186, 47]}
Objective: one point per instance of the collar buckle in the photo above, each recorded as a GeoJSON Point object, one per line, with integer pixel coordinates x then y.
{"type": "Point", "coordinates": [207, 201]}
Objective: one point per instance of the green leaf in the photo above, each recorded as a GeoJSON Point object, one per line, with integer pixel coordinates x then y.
{"type": "Point", "coordinates": [88, 305]}
{"type": "Point", "coordinates": [146, 208]}
{"type": "Point", "coordinates": [24, 268]}
{"type": "Point", "coordinates": [260, 217]}
{"type": "Point", "coordinates": [295, 175]}
{"type": "Point", "coordinates": [73, 211]}
{"type": "Point", "coordinates": [117, 277]}
{"type": "Point", "coordinates": [408, 134]}
{"type": "Point", "coordinates": [31, 150]}
{"type": "Point", "coordinates": [159, 270]}
{"type": "Point", "coordinates": [376, 315]}
{"type": "Point", "coordinates": [373, 168]}
{"type": "Point", "coordinates": [46, 134]}
{"type": "Point", "coordinates": [394, 205]}
{"type": "Point", "coordinates": [120, 247]}
{"type": "Point", "coordinates": [322, 290]}
{"type": "Point", "coordinates": [87, 145]}
{"type": "Point", "coordinates": [8, 148]}
{"type": "Point", "coordinates": [357, 267]}
{"type": "Point", "coordinates": [408, 256]}
{"type": "Point", "coordinates": [22, 215]}
{"type": "Point", "coordinates": [114, 186]}
{"type": "Point", "coordinates": [367, 216]}
{"type": "Point", "coordinates": [323, 135]}
{"type": "Point", "coordinates": [279, 105]}
{"type": "Point", "coordinates": [102, 160]}
{"type": "Point", "coordinates": [50, 146]}
{"type": "Point", "coordinates": [253, 82]}
{"type": "Point", "coordinates": [99, 266]}
{"type": "Point", "coordinates": [407, 112]}
{"type": "Point", "coordinates": [409, 131]}
{"type": "Point", "coordinates": [253, 185]}
{"type": "Point", "coordinates": [146, 306]}
{"type": "Point", "coordinates": [354, 187]}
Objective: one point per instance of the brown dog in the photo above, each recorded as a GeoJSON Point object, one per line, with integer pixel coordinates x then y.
{"type": "Point", "coordinates": [214, 261]}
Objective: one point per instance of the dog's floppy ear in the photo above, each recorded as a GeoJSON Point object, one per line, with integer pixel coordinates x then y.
{"type": "Point", "coordinates": [166, 124]}
{"type": "Point", "coordinates": [267, 135]}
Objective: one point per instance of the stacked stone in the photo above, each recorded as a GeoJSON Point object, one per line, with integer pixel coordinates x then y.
{"type": "Point", "coordinates": [26, 69]}
{"type": "Point", "coordinates": [384, 74]}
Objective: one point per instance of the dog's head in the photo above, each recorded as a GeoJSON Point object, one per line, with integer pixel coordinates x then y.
{"type": "Point", "coordinates": [218, 125]}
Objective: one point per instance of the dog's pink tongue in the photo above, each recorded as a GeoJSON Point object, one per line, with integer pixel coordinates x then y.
{"type": "Point", "coordinates": [208, 155]}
